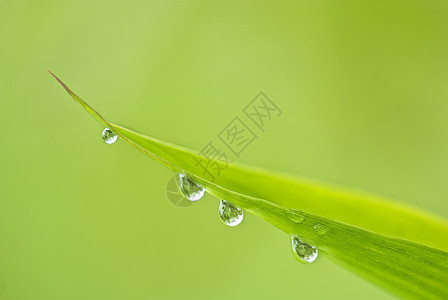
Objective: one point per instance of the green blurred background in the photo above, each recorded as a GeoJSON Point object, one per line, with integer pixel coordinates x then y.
{"type": "Point", "coordinates": [363, 90]}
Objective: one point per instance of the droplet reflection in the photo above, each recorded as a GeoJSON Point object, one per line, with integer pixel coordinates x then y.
{"type": "Point", "coordinates": [189, 188]}
{"type": "Point", "coordinates": [303, 251]}
{"type": "Point", "coordinates": [230, 214]}
{"type": "Point", "coordinates": [108, 136]}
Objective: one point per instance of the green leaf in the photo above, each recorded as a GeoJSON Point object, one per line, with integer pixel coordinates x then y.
{"type": "Point", "coordinates": [395, 246]}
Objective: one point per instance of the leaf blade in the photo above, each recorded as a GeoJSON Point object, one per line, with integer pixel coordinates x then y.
{"type": "Point", "coordinates": [403, 267]}
{"type": "Point", "coordinates": [382, 216]}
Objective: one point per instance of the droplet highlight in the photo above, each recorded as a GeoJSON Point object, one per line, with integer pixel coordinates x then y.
{"type": "Point", "coordinates": [108, 136]}
{"type": "Point", "coordinates": [189, 188]}
{"type": "Point", "coordinates": [230, 214]}
{"type": "Point", "coordinates": [304, 252]}
{"type": "Point", "coordinates": [320, 228]}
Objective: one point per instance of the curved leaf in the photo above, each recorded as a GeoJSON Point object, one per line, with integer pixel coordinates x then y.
{"type": "Point", "coordinates": [402, 266]}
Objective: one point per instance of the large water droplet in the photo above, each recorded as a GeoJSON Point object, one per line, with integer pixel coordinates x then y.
{"type": "Point", "coordinates": [320, 228]}
{"type": "Point", "coordinates": [303, 251]}
{"type": "Point", "coordinates": [229, 213]}
{"type": "Point", "coordinates": [190, 189]}
{"type": "Point", "coordinates": [108, 136]}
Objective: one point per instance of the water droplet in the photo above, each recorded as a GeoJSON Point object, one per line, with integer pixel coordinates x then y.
{"type": "Point", "coordinates": [190, 189]}
{"type": "Point", "coordinates": [303, 251]}
{"type": "Point", "coordinates": [108, 136]}
{"type": "Point", "coordinates": [229, 213]}
{"type": "Point", "coordinates": [296, 216]}
{"type": "Point", "coordinates": [320, 228]}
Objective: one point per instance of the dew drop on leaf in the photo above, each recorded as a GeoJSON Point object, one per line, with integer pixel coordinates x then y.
{"type": "Point", "coordinates": [108, 136]}
{"type": "Point", "coordinates": [320, 228]}
{"type": "Point", "coordinates": [190, 189]}
{"type": "Point", "coordinates": [296, 216]}
{"type": "Point", "coordinates": [229, 213]}
{"type": "Point", "coordinates": [304, 252]}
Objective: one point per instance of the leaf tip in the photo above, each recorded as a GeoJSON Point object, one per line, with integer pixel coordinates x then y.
{"type": "Point", "coordinates": [61, 83]}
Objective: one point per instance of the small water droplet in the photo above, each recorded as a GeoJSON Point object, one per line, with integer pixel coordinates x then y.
{"type": "Point", "coordinates": [108, 136]}
{"type": "Point", "coordinates": [190, 189]}
{"type": "Point", "coordinates": [320, 228]}
{"type": "Point", "coordinates": [303, 251]}
{"type": "Point", "coordinates": [229, 213]}
{"type": "Point", "coordinates": [296, 216]}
